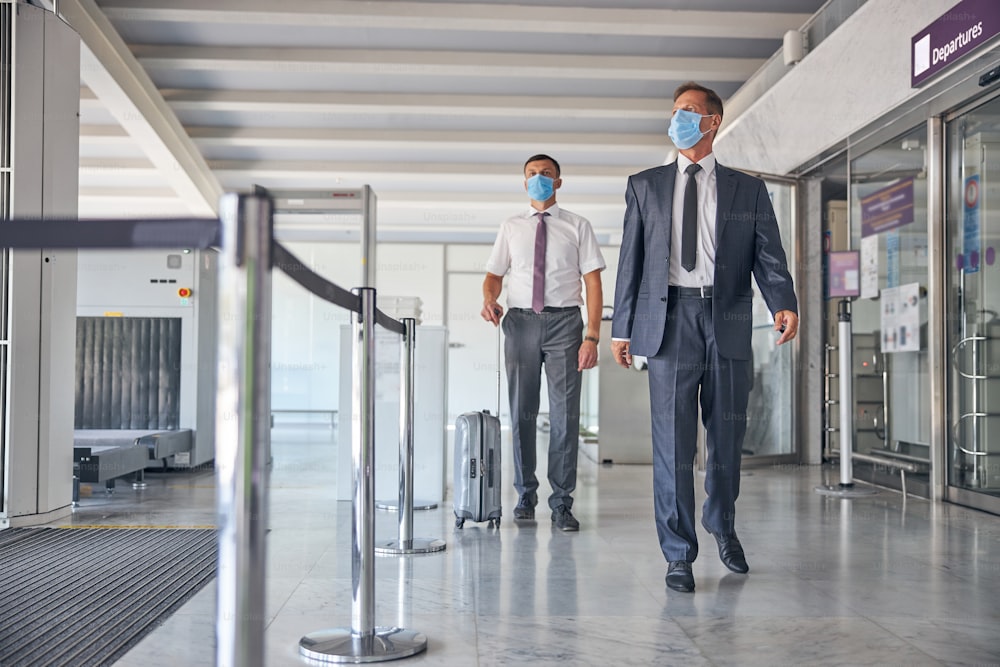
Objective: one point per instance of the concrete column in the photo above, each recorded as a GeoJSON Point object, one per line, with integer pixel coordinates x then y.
{"type": "Point", "coordinates": [809, 284]}
{"type": "Point", "coordinates": [39, 286]}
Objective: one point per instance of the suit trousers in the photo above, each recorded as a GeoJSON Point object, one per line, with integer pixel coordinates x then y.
{"type": "Point", "coordinates": [531, 340]}
{"type": "Point", "coordinates": [687, 367]}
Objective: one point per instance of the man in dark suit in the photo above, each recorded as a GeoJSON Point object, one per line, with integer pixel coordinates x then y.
{"type": "Point", "coordinates": [694, 233]}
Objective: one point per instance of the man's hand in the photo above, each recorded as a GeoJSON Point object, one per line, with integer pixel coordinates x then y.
{"type": "Point", "coordinates": [620, 351]}
{"type": "Point", "coordinates": [587, 357]}
{"type": "Point", "coordinates": [787, 323]}
{"type": "Point", "coordinates": [492, 312]}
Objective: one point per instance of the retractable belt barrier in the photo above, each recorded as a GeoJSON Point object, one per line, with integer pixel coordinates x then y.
{"type": "Point", "coordinates": [244, 234]}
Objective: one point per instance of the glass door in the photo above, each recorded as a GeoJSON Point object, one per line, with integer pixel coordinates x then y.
{"type": "Point", "coordinates": [771, 407]}
{"type": "Point", "coordinates": [891, 356]}
{"type": "Point", "coordinates": [973, 307]}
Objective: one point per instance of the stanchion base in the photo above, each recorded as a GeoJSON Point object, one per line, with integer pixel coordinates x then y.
{"type": "Point", "coordinates": [845, 491]}
{"type": "Point", "coordinates": [342, 645]}
{"type": "Point", "coordinates": [418, 545]}
{"type": "Point", "coordinates": [393, 505]}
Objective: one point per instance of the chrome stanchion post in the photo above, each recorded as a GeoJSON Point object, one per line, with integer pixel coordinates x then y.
{"type": "Point", "coordinates": [845, 344]}
{"type": "Point", "coordinates": [242, 435]}
{"type": "Point", "coordinates": [406, 544]}
{"type": "Point", "coordinates": [846, 370]}
{"type": "Point", "coordinates": [406, 504]}
{"type": "Point", "coordinates": [406, 362]}
{"type": "Point", "coordinates": [362, 642]}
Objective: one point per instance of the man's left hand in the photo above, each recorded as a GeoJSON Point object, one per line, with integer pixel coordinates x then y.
{"type": "Point", "coordinates": [587, 357]}
{"type": "Point", "coordinates": [787, 322]}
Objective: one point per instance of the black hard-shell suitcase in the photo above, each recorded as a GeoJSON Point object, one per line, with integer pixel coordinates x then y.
{"type": "Point", "coordinates": [477, 464]}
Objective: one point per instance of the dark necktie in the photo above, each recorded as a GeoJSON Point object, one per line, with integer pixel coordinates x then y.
{"type": "Point", "coordinates": [538, 284]}
{"type": "Point", "coordinates": [689, 228]}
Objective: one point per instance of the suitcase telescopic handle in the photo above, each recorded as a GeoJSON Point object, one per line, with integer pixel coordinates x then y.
{"type": "Point", "coordinates": [498, 372]}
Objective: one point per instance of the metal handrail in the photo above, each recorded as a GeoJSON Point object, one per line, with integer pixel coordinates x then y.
{"type": "Point", "coordinates": [958, 424]}
{"type": "Point", "coordinates": [954, 354]}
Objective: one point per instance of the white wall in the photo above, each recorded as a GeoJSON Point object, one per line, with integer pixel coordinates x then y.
{"type": "Point", "coordinates": [857, 74]}
{"type": "Point", "coordinates": [305, 332]}
{"type": "Point", "coordinates": [306, 329]}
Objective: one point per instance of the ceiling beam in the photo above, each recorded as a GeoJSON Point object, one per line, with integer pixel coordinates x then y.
{"type": "Point", "coordinates": [514, 197]}
{"type": "Point", "coordinates": [117, 79]}
{"type": "Point", "coordinates": [460, 171]}
{"type": "Point", "coordinates": [96, 134]}
{"type": "Point", "coordinates": [464, 172]}
{"type": "Point", "coordinates": [465, 17]}
{"type": "Point", "coordinates": [416, 139]}
{"type": "Point", "coordinates": [377, 62]}
{"type": "Point", "coordinates": [208, 99]}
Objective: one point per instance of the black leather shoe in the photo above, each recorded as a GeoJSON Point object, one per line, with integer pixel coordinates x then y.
{"type": "Point", "coordinates": [679, 577]}
{"type": "Point", "coordinates": [730, 551]}
{"type": "Point", "coordinates": [525, 510]}
{"type": "Point", "coordinates": [564, 520]}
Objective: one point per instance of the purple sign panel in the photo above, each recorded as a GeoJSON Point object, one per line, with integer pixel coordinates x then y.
{"type": "Point", "coordinates": [845, 273]}
{"type": "Point", "coordinates": [887, 209]}
{"type": "Point", "coordinates": [964, 28]}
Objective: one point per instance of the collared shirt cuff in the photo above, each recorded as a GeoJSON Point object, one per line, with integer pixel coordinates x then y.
{"type": "Point", "coordinates": [624, 340]}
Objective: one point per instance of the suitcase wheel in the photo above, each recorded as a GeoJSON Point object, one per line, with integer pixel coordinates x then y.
{"type": "Point", "coordinates": [459, 522]}
{"type": "Point", "coordinates": [494, 523]}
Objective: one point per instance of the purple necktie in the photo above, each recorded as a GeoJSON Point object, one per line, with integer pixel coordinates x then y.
{"type": "Point", "coordinates": [538, 285]}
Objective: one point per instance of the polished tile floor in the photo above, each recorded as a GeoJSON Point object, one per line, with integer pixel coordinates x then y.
{"type": "Point", "coordinates": [867, 581]}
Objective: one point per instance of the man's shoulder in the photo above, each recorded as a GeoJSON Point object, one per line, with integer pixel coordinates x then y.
{"type": "Point", "coordinates": [513, 221]}
{"type": "Point", "coordinates": [653, 172]}
{"type": "Point", "coordinates": [739, 176]}
{"type": "Point", "coordinates": [570, 216]}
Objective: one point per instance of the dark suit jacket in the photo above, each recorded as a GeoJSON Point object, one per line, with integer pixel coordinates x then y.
{"type": "Point", "coordinates": [747, 240]}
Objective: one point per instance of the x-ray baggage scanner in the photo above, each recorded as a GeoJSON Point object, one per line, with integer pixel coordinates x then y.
{"type": "Point", "coordinates": [145, 361]}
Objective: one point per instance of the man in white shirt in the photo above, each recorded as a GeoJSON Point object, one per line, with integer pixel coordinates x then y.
{"type": "Point", "coordinates": [545, 251]}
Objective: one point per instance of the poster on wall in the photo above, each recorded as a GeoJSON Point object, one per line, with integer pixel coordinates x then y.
{"type": "Point", "coordinates": [888, 208]}
{"type": "Point", "coordinates": [901, 318]}
{"type": "Point", "coordinates": [844, 274]}
{"type": "Point", "coordinates": [869, 267]}
{"type": "Point", "coordinates": [969, 259]}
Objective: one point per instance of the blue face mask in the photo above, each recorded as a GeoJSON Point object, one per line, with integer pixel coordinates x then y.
{"type": "Point", "coordinates": [540, 187]}
{"type": "Point", "coordinates": [685, 128]}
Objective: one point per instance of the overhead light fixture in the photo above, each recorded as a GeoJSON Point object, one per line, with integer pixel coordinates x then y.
{"type": "Point", "coordinates": [793, 47]}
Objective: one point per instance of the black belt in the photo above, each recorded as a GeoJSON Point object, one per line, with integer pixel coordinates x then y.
{"type": "Point", "coordinates": [549, 309]}
{"type": "Point", "coordinates": [690, 292]}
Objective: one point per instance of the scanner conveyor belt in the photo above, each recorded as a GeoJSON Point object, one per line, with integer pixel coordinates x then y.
{"type": "Point", "coordinates": [106, 454]}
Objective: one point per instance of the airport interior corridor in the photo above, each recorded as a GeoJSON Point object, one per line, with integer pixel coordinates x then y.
{"type": "Point", "coordinates": [873, 580]}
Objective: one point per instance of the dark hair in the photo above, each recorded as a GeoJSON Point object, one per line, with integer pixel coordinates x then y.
{"type": "Point", "coordinates": [712, 99]}
{"type": "Point", "coordinates": [542, 156]}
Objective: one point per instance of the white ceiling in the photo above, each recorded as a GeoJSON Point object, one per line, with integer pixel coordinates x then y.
{"type": "Point", "coordinates": [434, 104]}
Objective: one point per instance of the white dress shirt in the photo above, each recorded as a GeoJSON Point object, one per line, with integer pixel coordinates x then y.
{"type": "Point", "coordinates": [703, 273]}
{"type": "Point", "coordinates": [571, 250]}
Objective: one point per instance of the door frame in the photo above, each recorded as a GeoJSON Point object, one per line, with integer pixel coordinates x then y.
{"type": "Point", "coordinates": [799, 401]}
{"type": "Point", "coordinates": [939, 127]}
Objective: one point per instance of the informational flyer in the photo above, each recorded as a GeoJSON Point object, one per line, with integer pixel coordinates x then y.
{"type": "Point", "coordinates": [887, 209]}
{"type": "Point", "coordinates": [844, 273]}
{"type": "Point", "coordinates": [901, 318]}
{"type": "Point", "coordinates": [971, 231]}
{"type": "Point", "coordinates": [869, 267]}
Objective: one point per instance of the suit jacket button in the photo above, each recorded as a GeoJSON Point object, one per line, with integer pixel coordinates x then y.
{"type": "Point", "coordinates": [663, 298]}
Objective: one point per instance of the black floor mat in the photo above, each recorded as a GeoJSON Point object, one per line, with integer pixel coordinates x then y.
{"type": "Point", "coordinates": [85, 596]}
